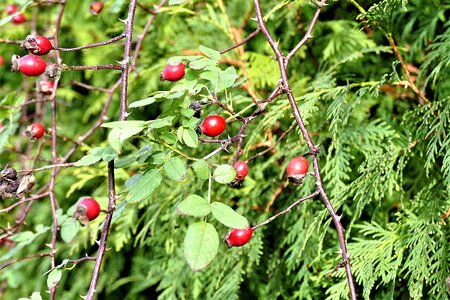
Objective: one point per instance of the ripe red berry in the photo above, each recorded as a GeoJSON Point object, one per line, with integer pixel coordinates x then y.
{"type": "Point", "coordinates": [238, 237]}
{"type": "Point", "coordinates": [2, 61]}
{"type": "Point", "coordinates": [87, 210]}
{"type": "Point", "coordinates": [11, 9]}
{"type": "Point", "coordinates": [37, 44]}
{"type": "Point", "coordinates": [213, 125]}
{"type": "Point", "coordinates": [29, 65]}
{"type": "Point", "coordinates": [35, 131]}
{"type": "Point", "coordinates": [241, 168]}
{"type": "Point", "coordinates": [297, 166]}
{"type": "Point", "coordinates": [46, 87]}
{"type": "Point", "coordinates": [18, 19]}
{"type": "Point", "coordinates": [297, 169]}
{"type": "Point", "coordinates": [173, 73]}
{"type": "Point", "coordinates": [96, 7]}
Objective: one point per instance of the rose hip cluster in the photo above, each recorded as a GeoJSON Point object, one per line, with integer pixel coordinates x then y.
{"type": "Point", "coordinates": [17, 18]}
{"type": "Point", "coordinates": [32, 64]}
{"type": "Point", "coordinates": [213, 126]}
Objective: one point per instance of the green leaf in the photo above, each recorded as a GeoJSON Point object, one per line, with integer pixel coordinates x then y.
{"type": "Point", "coordinates": [175, 168]}
{"type": "Point", "coordinates": [106, 153]}
{"type": "Point", "coordinates": [142, 102]}
{"type": "Point", "coordinates": [212, 54]}
{"type": "Point", "coordinates": [202, 63]}
{"type": "Point", "coordinates": [224, 174]}
{"type": "Point", "coordinates": [176, 2]}
{"type": "Point", "coordinates": [195, 206]}
{"type": "Point", "coordinates": [36, 296]}
{"type": "Point", "coordinates": [227, 78]}
{"type": "Point", "coordinates": [228, 217]}
{"type": "Point", "coordinates": [144, 186]}
{"type": "Point", "coordinates": [200, 245]}
{"type": "Point", "coordinates": [162, 122]}
{"type": "Point", "coordinates": [53, 278]}
{"type": "Point", "coordinates": [87, 160]}
{"type": "Point", "coordinates": [190, 138]}
{"type": "Point", "coordinates": [201, 168]}
{"type": "Point", "coordinates": [118, 135]}
{"type": "Point", "coordinates": [69, 230]}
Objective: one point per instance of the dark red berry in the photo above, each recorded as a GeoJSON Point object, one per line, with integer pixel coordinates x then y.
{"type": "Point", "coordinates": [11, 9]}
{"type": "Point", "coordinates": [238, 237]}
{"type": "Point", "coordinates": [96, 7]}
{"type": "Point", "coordinates": [35, 131]}
{"type": "Point", "coordinates": [18, 19]}
{"type": "Point", "coordinates": [213, 125]}
{"type": "Point", "coordinates": [46, 87]}
{"type": "Point", "coordinates": [87, 210]}
{"type": "Point", "coordinates": [29, 65]}
{"type": "Point", "coordinates": [297, 166]}
{"type": "Point", "coordinates": [37, 44]}
{"type": "Point", "coordinates": [173, 72]}
{"type": "Point", "coordinates": [297, 169]}
{"type": "Point", "coordinates": [241, 168]}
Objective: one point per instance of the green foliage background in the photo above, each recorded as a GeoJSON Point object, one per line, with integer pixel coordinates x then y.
{"type": "Point", "coordinates": [385, 158]}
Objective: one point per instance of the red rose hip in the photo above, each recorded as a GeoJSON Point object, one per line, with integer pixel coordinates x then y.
{"type": "Point", "coordinates": [11, 9]}
{"type": "Point", "coordinates": [35, 131]}
{"type": "Point", "coordinates": [238, 237]}
{"type": "Point", "coordinates": [37, 44]}
{"type": "Point", "coordinates": [173, 72]}
{"type": "Point", "coordinates": [87, 210]}
{"type": "Point", "coordinates": [96, 7]}
{"type": "Point", "coordinates": [241, 168]}
{"type": "Point", "coordinates": [297, 169]}
{"type": "Point", "coordinates": [213, 125]}
{"type": "Point", "coordinates": [18, 19]}
{"type": "Point", "coordinates": [29, 65]}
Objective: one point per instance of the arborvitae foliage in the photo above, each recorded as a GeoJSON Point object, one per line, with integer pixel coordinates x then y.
{"type": "Point", "coordinates": [372, 87]}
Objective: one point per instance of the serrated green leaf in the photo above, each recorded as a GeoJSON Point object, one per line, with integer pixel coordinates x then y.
{"type": "Point", "coordinates": [162, 122]}
{"type": "Point", "coordinates": [175, 168]}
{"type": "Point", "coordinates": [211, 53]}
{"type": "Point", "coordinates": [201, 63]}
{"type": "Point", "coordinates": [190, 138]}
{"type": "Point", "coordinates": [144, 186]}
{"type": "Point", "coordinates": [142, 102]}
{"type": "Point", "coordinates": [87, 160]}
{"type": "Point", "coordinates": [118, 135]}
{"type": "Point", "coordinates": [200, 245]}
{"type": "Point", "coordinates": [201, 168]}
{"type": "Point", "coordinates": [224, 174]}
{"type": "Point", "coordinates": [195, 206]}
{"type": "Point", "coordinates": [53, 278]}
{"type": "Point", "coordinates": [228, 217]}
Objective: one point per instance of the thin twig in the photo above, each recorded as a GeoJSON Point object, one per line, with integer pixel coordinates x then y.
{"type": "Point", "coordinates": [112, 40]}
{"type": "Point", "coordinates": [285, 211]}
{"type": "Point", "coordinates": [111, 182]}
{"type": "Point", "coordinates": [313, 149]}
{"type": "Point", "coordinates": [248, 38]}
